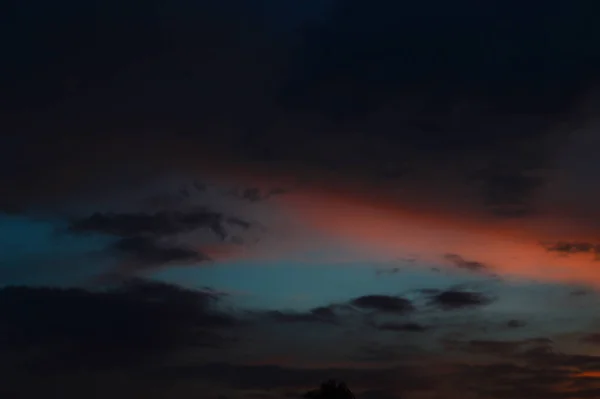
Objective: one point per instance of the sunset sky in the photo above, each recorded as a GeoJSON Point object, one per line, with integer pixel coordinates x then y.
{"type": "Point", "coordinates": [241, 199]}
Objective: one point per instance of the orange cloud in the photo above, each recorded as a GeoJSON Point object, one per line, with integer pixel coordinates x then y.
{"type": "Point", "coordinates": [383, 225]}
{"type": "Point", "coordinates": [587, 374]}
{"type": "Point", "coordinates": [391, 229]}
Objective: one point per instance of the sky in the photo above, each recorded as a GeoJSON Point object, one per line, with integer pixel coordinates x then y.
{"type": "Point", "coordinates": [241, 199]}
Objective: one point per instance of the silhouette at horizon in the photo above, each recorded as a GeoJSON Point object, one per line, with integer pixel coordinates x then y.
{"type": "Point", "coordinates": [330, 389]}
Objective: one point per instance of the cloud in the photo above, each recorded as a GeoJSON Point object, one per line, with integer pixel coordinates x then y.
{"type": "Point", "coordinates": [377, 394]}
{"type": "Point", "coordinates": [255, 194]}
{"type": "Point", "coordinates": [508, 191]}
{"type": "Point", "coordinates": [136, 321]}
{"type": "Point", "coordinates": [337, 313]}
{"type": "Point", "coordinates": [523, 347]}
{"type": "Point", "coordinates": [503, 140]}
{"type": "Point", "coordinates": [383, 304]}
{"type": "Point", "coordinates": [323, 314]}
{"type": "Point", "coordinates": [402, 327]}
{"type": "Point", "coordinates": [516, 323]}
{"type": "Point", "coordinates": [378, 353]}
{"type": "Point", "coordinates": [592, 339]}
{"type": "Point", "coordinates": [461, 263]}
{"type": "Point", "coordinates": [298, 379]}
{"type": "Point", "coordinates": [156, 224]}
{"type": "Point", "coordinates": [573, 247]}
{"type": "Point", "coordinates": [150, 240]}
{"type": "Point", "coordinates": [454, 300]}
{"type": "Point", "coordinates": [508, 379]}
{"type": "Point", "coordinates": [148, 252]}
{"type": "Point", "coordinates": [400, 120]}
{"type": "Point", "coordinates": [513, 371]}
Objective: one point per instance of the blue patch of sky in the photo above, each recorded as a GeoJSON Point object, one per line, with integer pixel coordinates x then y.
{"type": "Point", "coordinates": [41, 252]}
{"type": "Point", "coordinates": [294, 285]}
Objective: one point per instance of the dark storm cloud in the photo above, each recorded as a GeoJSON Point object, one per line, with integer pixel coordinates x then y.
{"type": "Point", "coordinates": [136, 78]}
{"type": "Point", "coordinates": [392, 34]}
{"type": "Point", "coordinates": [148, 252]}
{"type": "Point", "coordinates": [92, 43]}
{"type": "Point", "coordinates": [156, 224]}
{"type": "Point", "coordinates": [383, 303]}
{"type": "Point", "coordinates": [508, 189]}
{"type": "Point", "coordinates": [356, 88]}
{"type": "Point", "coordinates": [95, 329]}
{"type": "Point", "coordinates": [454, 300]}
{"type": "Point", "coordinates": [416, 79]}
{"type": "Point", "coordinates": [462, 263]}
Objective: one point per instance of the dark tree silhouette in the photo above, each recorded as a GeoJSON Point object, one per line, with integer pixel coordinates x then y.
{"type": "Point", "coordinates": [331, 389]}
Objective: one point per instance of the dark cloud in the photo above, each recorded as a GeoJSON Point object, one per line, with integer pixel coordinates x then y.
{"type": "Point", "coordinates": [155, 224]}
{"type": "Point", "coordinates": [148, 252]}
{"type": "Point", "coordinates": [402, 327]}
{"type": "Point", "coordinates": [378, 102]}
{"type": "Point", "coordinates": [572, 247]}
{"type": "Point", "coordinates": [176, 198]}
{"type": "Point", "coordinates": [534, 368]}
{"type": "Point", "coordinates": [239, 222]}
{"type": "Point", "coordinates": [377, 394]}
{"type": "Point", "coordinates": [255, 194]}
{"type": "Point", "coordinates": [127, 74]}
{"type": "Point", "coordinates": [383, 303]}
{"type": "Point", "coordinates": [134, 322]}
{"type": "Point", "coordinates": [148, 240]}
{"type": "Point", "coordinates": [325, 314]}
{"type": "Point", "coordinates": [523, 347]}
{"type": "Point", "coordinates": [509, 380]}
{"type": "Point", "coordinates": [453, 300]}
{"type": "Point", "coordinates": [462, 263]}
{"type": "Point", "coordinates": [125, 35]}
{"type": "Point", "coordinates": [384, 36]}
{"type": "Point", "coordinates": [593, 339]}
{"type": "Point", "coordinates": [516, 323]}
{"type": "Point", "coordinates": [499, 379]}
{"type": "Point", "coordinates": [360, 69]}
{"type": "Point", "coordinates": [275, 378]}
{"type": "Point", "coordinates": [508, 191]}
{"type": "Point", "coordinates": [375, 352]}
